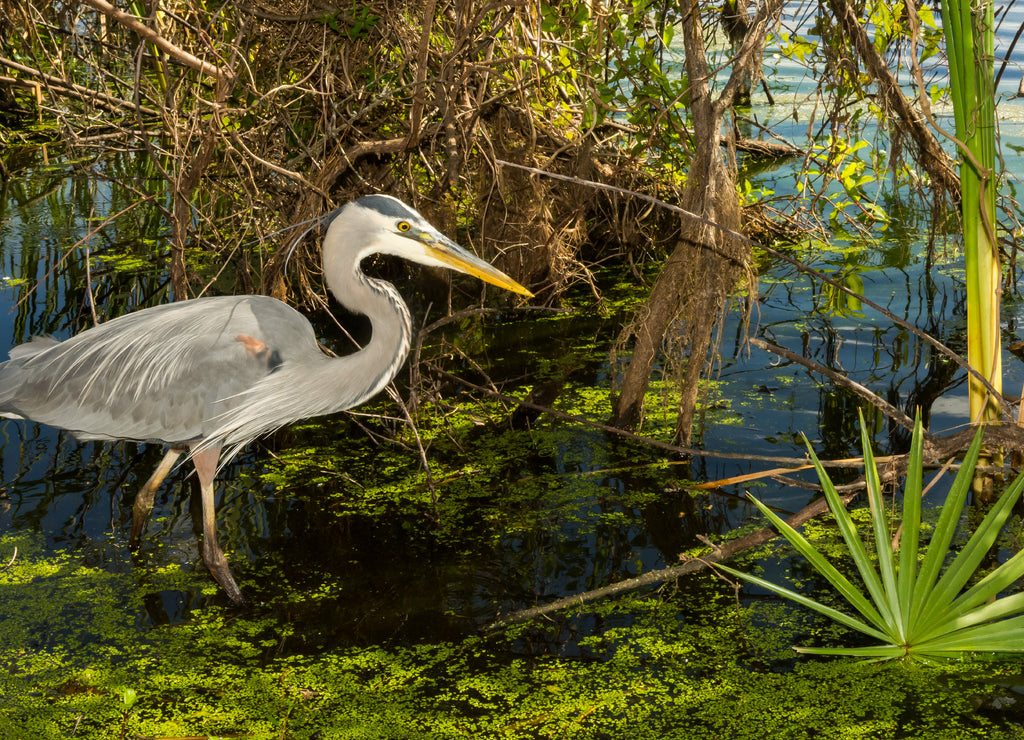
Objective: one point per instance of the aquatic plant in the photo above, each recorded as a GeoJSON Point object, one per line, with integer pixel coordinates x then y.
{"type": "Point", "coordinates": [968, 29]}
{"type": "Point", "coordinates": [907, 603]}
{"type": "Point", "coordinates": [79, 658]}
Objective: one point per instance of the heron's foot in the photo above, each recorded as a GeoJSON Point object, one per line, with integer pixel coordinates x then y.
{"type": "Point", "coordinates": [140, 515]}
{"type": "Point", "coordinates": [217, 564]}
{"type": "Point", "coordinates": [147, 494]}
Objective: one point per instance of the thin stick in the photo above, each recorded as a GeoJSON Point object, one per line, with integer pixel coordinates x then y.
{"type": "Point", "coordinates": [887, 408]}
{"type": "Point", "coordinates": [13, 558]}
{"type": "Point", "coordinates": [132, 23]}
{"type": "Point", "coordinates": [82, 92]}
{"type": "Point", "coordinates": [72, 248]}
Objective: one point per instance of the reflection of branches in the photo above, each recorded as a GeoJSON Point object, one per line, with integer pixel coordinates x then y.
{"type": "Point", "coordinates": [839, 379]}
{"type": "Point", "coordinates": [651, 578]}
{"type": "Point", "coordinates": [71, 250]}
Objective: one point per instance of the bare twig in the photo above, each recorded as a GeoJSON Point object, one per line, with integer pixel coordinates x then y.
{"type": "Point", "coordinates": [83, 93]}
{"type": "Point", "coordinates": [132, 23]}
{"type": "Point", "coordinates": [13, 558]}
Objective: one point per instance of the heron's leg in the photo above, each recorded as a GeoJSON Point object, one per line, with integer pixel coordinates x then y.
{"type": "Point", "coordinates": [205, 459]}
{"type": "Point", "coordinates": [144, 498]}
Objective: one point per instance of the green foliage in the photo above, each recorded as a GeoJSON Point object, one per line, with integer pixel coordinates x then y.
{"type": "Point", "coordinates": [905, 604]}
{"type": "Point", "coordinates": [362, 22]}
{"type": "Point", "coordinates": [969, 31]}
{"type": "Point", "coordinates": [839, 163]}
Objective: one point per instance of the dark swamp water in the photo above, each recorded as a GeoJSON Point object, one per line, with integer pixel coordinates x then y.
{"type": "Point", "coordinates": [332, 531]}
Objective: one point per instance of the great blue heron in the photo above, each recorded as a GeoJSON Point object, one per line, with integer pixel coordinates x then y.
{"type": "Point", "coordinates": [210, 375]}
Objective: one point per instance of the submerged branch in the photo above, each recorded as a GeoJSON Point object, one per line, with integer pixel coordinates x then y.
{"type": "Point", "coordinates": [724, 552]}
{"type": "Point", "coordinates": [839, 379]}
{"type": "Point", "coordinates": [936, 448]}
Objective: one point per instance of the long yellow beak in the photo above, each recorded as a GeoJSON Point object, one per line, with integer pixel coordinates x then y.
{"type": "Point", "coordinates": [452, 255]}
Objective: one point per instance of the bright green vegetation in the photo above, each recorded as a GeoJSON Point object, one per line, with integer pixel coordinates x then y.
{"type": "Point", "coordinates": [685, 663]}
{"type": "Point", "coordinates": [905, 604]}
{"type": "Point", "coordinates": [83, 650]}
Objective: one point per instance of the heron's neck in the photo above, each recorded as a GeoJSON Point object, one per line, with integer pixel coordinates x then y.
{"type": "Point", "coordinates": [380, 359]}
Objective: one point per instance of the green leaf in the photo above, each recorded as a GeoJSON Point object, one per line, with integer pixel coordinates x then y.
{"type": "Point", "coordinates": [1004, 636]}
{"type": "Point", "coordinates": [938, 548]}
{"type": "Point", "coordinates": [988, 587]}
{"type": "Point", "coordinates": [911, 532]}
{"type": "Point", "coordinates": [837, 579]}
{"type": "Point", "coordinates": [969, 558]}
{"type": "Point", "coordinates": [886, 652]}
{"type": "Point", "coordinates": [833, 614]}
{"type": "Point", "coordinates": [883, 548]}
{"type": "Point", "coordinates": [990, 612]}
{"type": "Point", "coordinates": [861, 559]}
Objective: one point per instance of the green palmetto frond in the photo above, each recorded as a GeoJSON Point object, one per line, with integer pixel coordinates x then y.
{"type": "Point", "coordinates": [910, 604]}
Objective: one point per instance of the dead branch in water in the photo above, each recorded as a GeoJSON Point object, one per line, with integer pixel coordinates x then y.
{"type": "Point", "coordinates": [842, 380]}
{"type": "Point", "coordinates": [719, 554]}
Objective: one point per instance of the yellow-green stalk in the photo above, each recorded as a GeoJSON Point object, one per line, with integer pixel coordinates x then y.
{"type": "Point", "coordinates": [969, 47]}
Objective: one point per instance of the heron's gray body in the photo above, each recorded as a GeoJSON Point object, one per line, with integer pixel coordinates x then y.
{"type": "Point", "coordinates": [212, 374]}
{"type": "Point", "coordinates": [190, 370]}
{"type": "Point", "coordinates": [134, 377]}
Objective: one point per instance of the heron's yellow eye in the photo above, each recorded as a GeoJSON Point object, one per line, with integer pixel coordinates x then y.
{"type": "Point", "coordinates": [404, 226]}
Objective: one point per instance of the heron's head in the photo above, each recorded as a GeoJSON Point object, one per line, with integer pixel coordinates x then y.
{"type": "Point", "coordinates": [381, 224]}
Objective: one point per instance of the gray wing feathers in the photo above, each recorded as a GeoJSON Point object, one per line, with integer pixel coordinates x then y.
{"type": "Point", "coordinates": [317, 386]}
{"type": "Point", "coordinates": [153, 375]}
{"type": "Point", "coordinates": [32, 347]}
{"type": "Point", "coordinates": [178, 373]}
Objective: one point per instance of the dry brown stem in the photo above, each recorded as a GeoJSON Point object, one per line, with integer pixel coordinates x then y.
{"type": "Point", "coordinates": [81, 92]}
{"type": "Point", "coordinates": [933, 158]}
{"type": "Point", "coordinates": [842, 380]}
